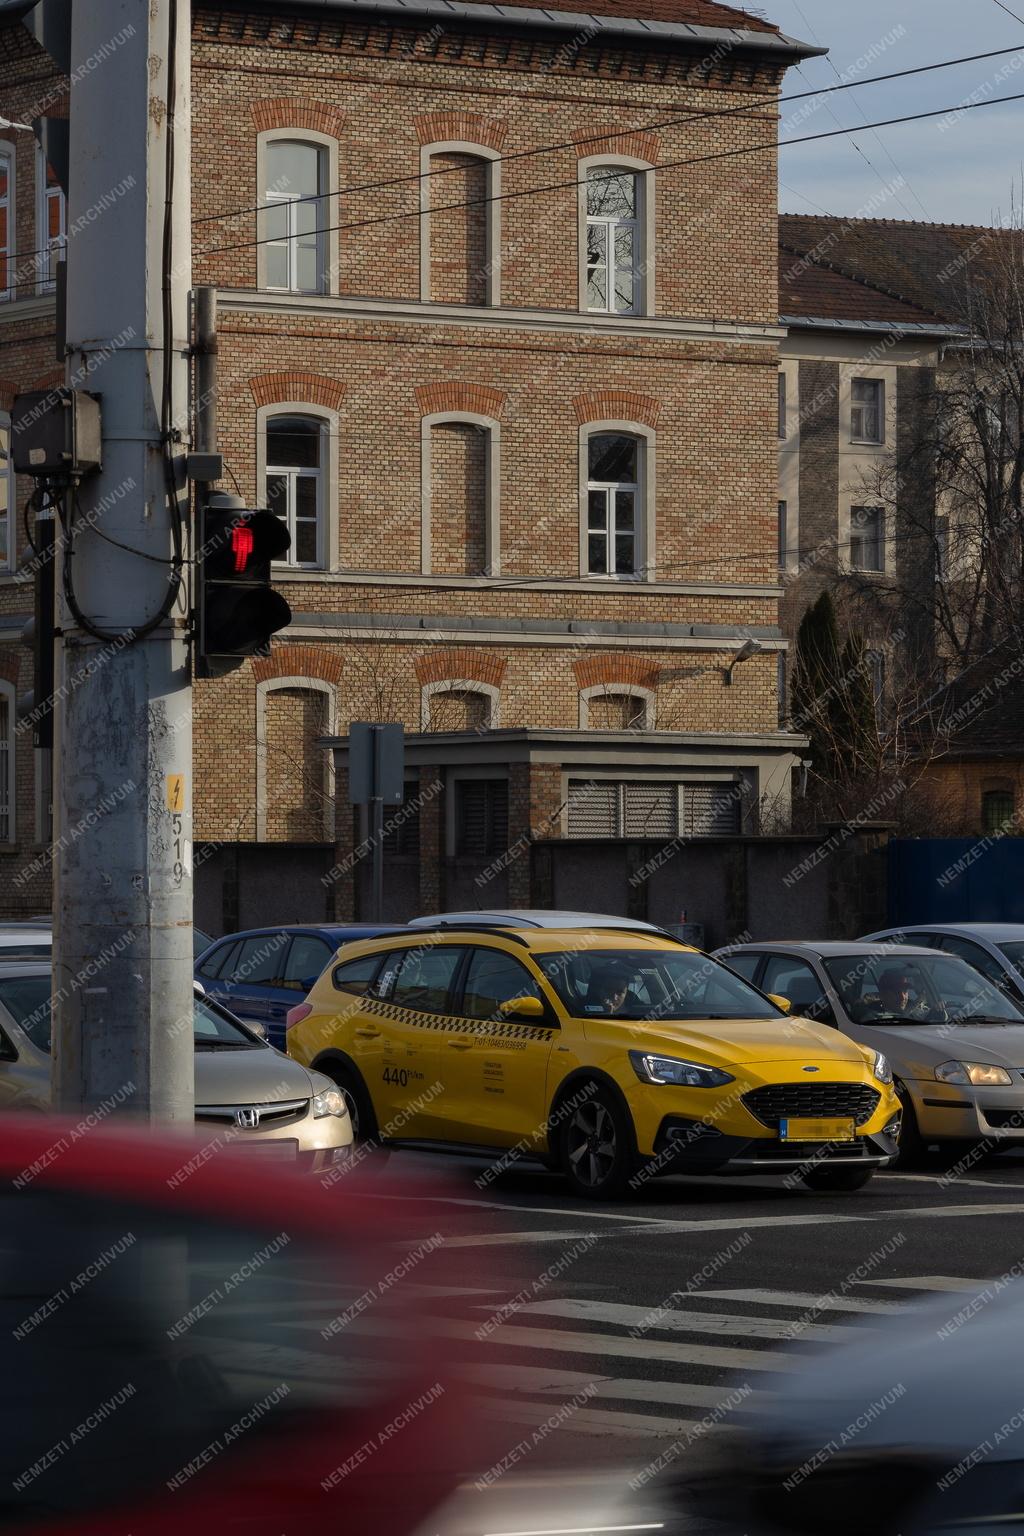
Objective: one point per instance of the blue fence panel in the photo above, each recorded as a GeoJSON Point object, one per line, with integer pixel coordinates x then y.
{"type": "Point", "coordinates": [956, 880]}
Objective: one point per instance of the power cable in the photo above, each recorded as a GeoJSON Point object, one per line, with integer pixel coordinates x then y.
{"type": "Point", "coordinates": [557, 186]}
{"type": "Point", "coordinates": [597, 138]}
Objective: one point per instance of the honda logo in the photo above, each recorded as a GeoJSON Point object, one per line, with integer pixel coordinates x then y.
{"type": "Point", "coordinates": [247, 1119]}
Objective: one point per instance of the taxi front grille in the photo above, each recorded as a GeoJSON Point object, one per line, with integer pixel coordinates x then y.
{"type": "Point", "coordinates": [812, 1101]}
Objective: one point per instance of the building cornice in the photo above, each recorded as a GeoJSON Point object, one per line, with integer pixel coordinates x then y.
{"type": "Point", "coordinates": [284, 575]}
{"type": "Point", "coordinates": [431, 628]}
{"type": "Point", "coordinates": [563, 321]}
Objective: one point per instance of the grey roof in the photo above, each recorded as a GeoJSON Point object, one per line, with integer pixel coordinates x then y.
{"type": "Point", "coordinates": [827, 948]}
{"type": "Point", "coordinates": [994, 932]}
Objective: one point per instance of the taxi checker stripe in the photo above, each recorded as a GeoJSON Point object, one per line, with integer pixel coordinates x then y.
{"type": "Point", "coordinates": [488, 1028]}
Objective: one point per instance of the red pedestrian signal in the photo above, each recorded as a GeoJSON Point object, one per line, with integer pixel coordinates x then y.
{"type": "Point", "coordinates": [238, 609]}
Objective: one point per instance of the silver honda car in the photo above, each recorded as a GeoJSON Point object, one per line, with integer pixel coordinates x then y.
{"type": "Point", "coordinates": [954, 1041]}
{"type": "Point", "coordinates": [248, 1095]}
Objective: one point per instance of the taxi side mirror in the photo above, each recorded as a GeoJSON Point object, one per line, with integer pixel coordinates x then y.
{"type": "Point", "coordinates": [522, 1008]}
{"type": "Point", "coordinates": [780, 1002]}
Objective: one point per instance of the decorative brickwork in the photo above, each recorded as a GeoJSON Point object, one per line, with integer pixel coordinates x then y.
{"type": "Point", "coordinates": [452, 395]}
{"type": "Point", "coordinates": [461, 666]}
{"type": "Point", "coordinates": [617, 405]}
{"type": "Point", "coordinates": [458, 229]}
{"type": "Point", "coordinates": [460, 127]}
{"type": "Point", "coordinates": [299, 661]}
{"type": "Point", "coordinates": [638, 670]}
{"type": "Point", "coordinates": [8, 390]}
{"type": "Point", "coordinates": [9, 666]}
{"type": "Point", "coordinates": [637, 144]}
{"type": "Point", "coordinates": [275, 388]}
{"type": "Point", "coordinates": [53, 378]}
{"type": "Point", "coordinates": [296, 112]}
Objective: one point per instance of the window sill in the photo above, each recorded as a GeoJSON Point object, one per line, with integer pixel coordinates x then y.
{"type": "Point", "coordinates": [867, 442]}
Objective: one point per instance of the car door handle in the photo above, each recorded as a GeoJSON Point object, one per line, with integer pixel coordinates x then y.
{"type": "Point", "coordinates": [461, 1045]}
{"type": "Point", "coordinates": [368, 1033]}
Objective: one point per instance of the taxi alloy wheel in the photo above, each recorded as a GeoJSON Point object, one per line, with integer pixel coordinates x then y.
{"type": "Point", "coordinates": [597, 1148]}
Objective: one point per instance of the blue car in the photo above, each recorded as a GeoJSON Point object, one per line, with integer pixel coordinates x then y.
{"type": "Point", "coordinates": [261, 973]}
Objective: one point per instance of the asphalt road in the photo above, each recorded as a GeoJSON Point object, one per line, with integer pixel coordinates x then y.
{"type": "Point", "coordinates": [617, 1344]}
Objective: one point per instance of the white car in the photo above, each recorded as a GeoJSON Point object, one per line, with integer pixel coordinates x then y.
{"type": "Point", "coordinates": [994, 949]}
{"type": "Point", "coordinates": [523, 917]}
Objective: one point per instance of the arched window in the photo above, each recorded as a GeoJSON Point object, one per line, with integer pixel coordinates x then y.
{"type": "Point", "coordinates": [616, 212]}
{"type": "Point", "coordinates": [297, 253]}
{"type": "Point", "coordinates": [459, 706]}
{"type": "Point", "coordinates": [616, 707]}
{"type": "Point", "coordinates": [296, 462]}
{"type": "Point", "coordinates": [7, 775]}
{"type": "Point", "coordinates": [294, 776]}
{"type": "Point", "coordinates": [461, 477]}
{"type": "Point", "coordinates": [615, 510]}
{"type": "Point", "coordinates": [460, 186]}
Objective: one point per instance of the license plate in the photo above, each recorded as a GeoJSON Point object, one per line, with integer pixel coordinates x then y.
{"type": "Point", "coordinates": [284, 1151]}
{"type": "Point", "coordinates": [816, 1130]}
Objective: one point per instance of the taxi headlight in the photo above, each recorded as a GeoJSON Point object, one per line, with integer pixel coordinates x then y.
{"type": "Point", "coordinates": [882, 1069]}
{"type": "Point", "coordinates": [330, 1102]}
{"type": "Point", "coordinates": [683, 1074]}
{"type": "Point", "coordinates": [978, 1073]}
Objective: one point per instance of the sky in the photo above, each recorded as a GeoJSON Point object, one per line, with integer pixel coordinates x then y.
{"type": "Point", "coordinates": [962, 169]}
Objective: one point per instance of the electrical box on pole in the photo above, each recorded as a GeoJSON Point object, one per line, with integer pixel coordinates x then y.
{"type": "Point", "coordinates": [237, 608]}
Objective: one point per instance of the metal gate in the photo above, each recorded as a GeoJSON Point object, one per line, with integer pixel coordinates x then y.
{"type": "Point", "coordinates": [956, 880]}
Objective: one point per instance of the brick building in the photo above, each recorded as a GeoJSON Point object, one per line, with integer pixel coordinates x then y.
{"type": "Point", "coordinates": [499, 339]}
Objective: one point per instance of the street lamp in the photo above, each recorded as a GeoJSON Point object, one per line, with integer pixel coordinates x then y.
{"type": "Point", "coordinates": [747, 649]}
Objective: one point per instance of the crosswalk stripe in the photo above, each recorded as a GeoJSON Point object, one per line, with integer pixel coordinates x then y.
{"type": "Point", "coordinates": [559, 1341]}
{"type": "Point", "coordinates": [806, 1299]}
{"type": "Point", "coordinates": [675, 1320]}
{"type": "Point", "coordinates": [603, 1421]}
{"type": "Point", "coordinates": [928, 1283]}
{"type": "Point", "coordinates": [541, 1382]}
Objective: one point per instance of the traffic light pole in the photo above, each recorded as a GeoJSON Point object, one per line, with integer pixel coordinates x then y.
{"type": "Point", "coordinates": [123, 868]}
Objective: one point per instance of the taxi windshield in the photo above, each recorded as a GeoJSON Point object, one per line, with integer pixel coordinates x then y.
{"type": "Point", "coordinates": [650, 984]}
{"type": "Point", "coordinates": [919, 989]}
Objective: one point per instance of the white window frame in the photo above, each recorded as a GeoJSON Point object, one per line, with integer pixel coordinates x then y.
{"type": "Point", "coordinates": [9, 154]}
{"type": "Point", "coordinates": [643, 223]}
{"type": "Point", "coordinates": [618, 691]}
{"type": "Point", "coordinates": [8, 477]}
{"type": "Point", "coordinates": [847, 543]}
{"type": "Point", "coordinates": [492, 481]}
{"type": "Point", "coordinates": [429, 691]}
{"type": "Point", "coordinates": [492, 161]}
{"type": "Point", "coordinates": [8, 760]}
{"type": "Point", "coordinates": [878, 384]}
{"type": "Point", "coordinates": [327, 503]}
{"type": "Point", "coordinates": [328, 148]}
{"type": "Point", "coordinates": [48, 253]}
{"type": "Point", "coordinates": [644, 529]}
{"type": "Point", "coordinates": [306, 685]}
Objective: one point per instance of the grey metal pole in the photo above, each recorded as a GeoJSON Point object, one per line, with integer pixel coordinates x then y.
{"type": "Point", "coordinates": [206, 370]}
{"type": "Point", "coordinates": [123, 876]}
{"type": "Point", "coordinates": [377, 737]}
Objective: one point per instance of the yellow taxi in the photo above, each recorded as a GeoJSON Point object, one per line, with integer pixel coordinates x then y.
{"type": "Point", "coordinates": [610, 1055]}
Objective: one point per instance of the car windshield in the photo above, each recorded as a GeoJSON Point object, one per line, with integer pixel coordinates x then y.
{"type": "Point", "coordinates": [214, 1029]}
{"type": "Point", "coordinates": [916, 989]}
{"type": "Point", "coordinates": [651, 984]}
{"type": "Point", "coordinates": [1013, 949]}
{"type": "Point", "coordinates": [27, 999]}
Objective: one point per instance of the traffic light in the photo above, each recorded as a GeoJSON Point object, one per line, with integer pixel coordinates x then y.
{"type": "Point", "coordinates": [238, 609]}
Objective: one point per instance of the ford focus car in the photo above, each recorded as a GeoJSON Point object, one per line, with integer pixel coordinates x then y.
{"type": "Point", "coordinates": [601, 1053]}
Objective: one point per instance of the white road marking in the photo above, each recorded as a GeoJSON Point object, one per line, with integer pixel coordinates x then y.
{"type": "Point", "coordinates": [675, 1320]}
{"type": "Point", "coordinates": [935, 1178]}
{"type": "Point", "coordinates": [512, 1335]}
{"type": "Point", "coordinates": [865, 1213]}
{"type": "Point", "coordinates": [603, 1421]}
{"type": "Point", "coordinates": [540, 1381]}
{"type": "Point", "coordinates": [807, 1299]}
{"type": "Point", "coordinates": [928, 1283]}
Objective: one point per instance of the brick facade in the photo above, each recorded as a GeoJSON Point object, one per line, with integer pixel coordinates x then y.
{"type": "Point", "coordinates": [375, 354]}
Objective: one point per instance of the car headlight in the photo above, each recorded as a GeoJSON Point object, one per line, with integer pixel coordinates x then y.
{"type": "Point", "coordinates": [977, 1073]}
{"type": "Point", "coordinates": [669, 1069]}
{"type": "Point", "coordinates": [881, 1068]}
{"type": "Point", "coordinates": [330, 1102]}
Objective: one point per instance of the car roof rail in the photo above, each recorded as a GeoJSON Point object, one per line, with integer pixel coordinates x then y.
{"type": "Point", "coordinates": [445, 927]}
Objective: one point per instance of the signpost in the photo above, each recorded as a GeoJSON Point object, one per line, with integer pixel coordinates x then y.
{"type": "Point", "coordinates": [376, 777]}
